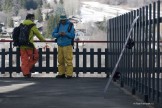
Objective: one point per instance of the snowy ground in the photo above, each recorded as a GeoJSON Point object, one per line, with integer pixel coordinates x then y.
{"type": "Point", "coordinates": [95, 11]}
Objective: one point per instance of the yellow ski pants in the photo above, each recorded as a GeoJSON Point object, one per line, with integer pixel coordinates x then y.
{"type": "Point", "coordinates": [65, 57]}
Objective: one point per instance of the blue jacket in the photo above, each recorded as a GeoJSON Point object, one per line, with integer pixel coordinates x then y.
{"type": "Point", "coordinates": [64, 40]}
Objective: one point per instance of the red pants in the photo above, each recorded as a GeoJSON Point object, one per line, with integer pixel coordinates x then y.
{"type": "Point", "coordinates": [28, 59]}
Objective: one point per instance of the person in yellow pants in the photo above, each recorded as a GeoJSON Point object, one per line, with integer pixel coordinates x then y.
{"type": "Point", "coordinates": [64, 38]}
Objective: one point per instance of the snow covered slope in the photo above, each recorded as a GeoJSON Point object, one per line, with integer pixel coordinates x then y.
{"type": "Point", "coordinates": [95, 11]}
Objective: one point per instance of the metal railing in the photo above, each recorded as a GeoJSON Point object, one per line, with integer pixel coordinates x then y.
{"type": "Point", "coordinates": [141, 66]}
{"type": "Point", "coordinates": [93, 60]}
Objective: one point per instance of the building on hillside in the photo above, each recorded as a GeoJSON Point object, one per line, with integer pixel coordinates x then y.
{"type": "Point", "coordinates": [46, 12]}
{"type": "Point", "coordinates": [39, 25]}
{"type": "Point", "coordinates": [3, 30]}
{"type": "Point", "coordinates": [9, 31]}
{"type": "Point", "coordinates": [16, 20]}
{"type": "Point", "coordinates": [1, 25]}
{"type": "Point", "coordinates": [74, 19]}
{"type": "Point", "coordinates": [81, 27]}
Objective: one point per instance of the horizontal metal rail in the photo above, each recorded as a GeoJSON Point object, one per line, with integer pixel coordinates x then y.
{"type": "Point", "coordinates": [2, 40]}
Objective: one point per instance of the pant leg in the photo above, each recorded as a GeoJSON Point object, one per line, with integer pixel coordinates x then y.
{"type": "Point", "coordinates": [24, 62]}
{"type": "Point", "coordinates": [61, 65]}
{"type": "Point", "coordinates": [68, 57]}
{"type": "Point", "coordinates": [28, 59]}
{"type": "Point", "coordinates": [33, 58]}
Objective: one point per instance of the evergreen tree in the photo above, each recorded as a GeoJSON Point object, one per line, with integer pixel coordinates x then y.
{"type": "Point", "coordinates": [55, 1]}
{"type": "Point", "coordinates": [56, 20]}
{"type": "Point", "coordinates": [0, 6]}
{"type": "Point", "coordinates": [39, 3]}
{"type": "Point", "coordinates": [38, 15]}
{"type": "Point", "coordinates": [47, 17]}
{"type": "Point", "coordinates": [22, 3]}
{"type": "Point", "coordinates": [7, 6]}
{"type": "Point", "coordinates": [52, 23]}
{"type": "Point", "coordinates": [62, 2]}
{"type": "Point", "coordinates": [59, 9]}
{"type": "Point", "coordinates": [31, 4]}
{"type": "Point", "coordinates": [15, 9]}
{"type": "Point", "coordinates": [11, 24]}
{"type": "Point", "coordinates": [102, 25]}
{"type": "Point", "coordinates": [0, 28]}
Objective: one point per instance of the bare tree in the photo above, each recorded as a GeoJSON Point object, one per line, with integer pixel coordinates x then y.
{"type": "Point", "coordinates": [72, 7]}
{"type": "Point", "coordinates": [22, 13]}
{"type": "Point", "coordinates": [2, 17]}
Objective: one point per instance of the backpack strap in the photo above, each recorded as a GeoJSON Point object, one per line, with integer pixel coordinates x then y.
{"type": "Point", "coordinates": [69, 29]}
{"type": "Point", "coordinates": [58, 26]}
{"type": "Point", "coordinates": [30, 26]}
{"type": "Point", "coordinates": [70, 26]}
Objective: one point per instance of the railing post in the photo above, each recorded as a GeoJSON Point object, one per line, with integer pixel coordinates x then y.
{"type": "Point", "coordinates": [18, 68]}
{"type": "Point", "coordinates": [154, 51]}
{"type": "Point", "coordinates": [107, 66]}
{"type": "Point", "coordinates": [47, 60]}
{"type": "Point", "coordinates": [122, 84]}
{"type": "Point", "coordinates": [99, 60]}
{"type": "Point", "coordinates": [84, 60]}
{"type": "Point", "coordinates": [10, 61]}
{"type": "Point", "coordinates": [150, 51]}
{"type": "Point", "coordinates": [158, 52]}
{"type": "Point", "coordinates": [3, 61]}
{"type": "Point", "coordinates": [146, 53]}
{"type": "Point", "coordinates": [91, 60]}
{"type": "Point", "coordinates": [77, 62]}
{"type": "Point", "coordinates": [10, 44]}
{"type": "Point", "coordinates": [55, 60]}
{"type": "Point", "coordinates": [133, 91]}
{"type": "Point", "coordinates": [146, 99]}
{"type": "Point", "coordinates": [40, 60]}
{"type": "Point", "coordinates": [77, 45]}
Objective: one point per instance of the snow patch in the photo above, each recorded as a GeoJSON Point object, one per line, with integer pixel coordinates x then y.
{"type": "Point", "coordinates": [95, 11]}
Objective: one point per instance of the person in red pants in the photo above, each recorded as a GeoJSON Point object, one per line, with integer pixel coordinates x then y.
{"type": "Point", "coordinates": [28, 59]}
{"type": "Point", "coordinates": [29, 55]}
